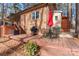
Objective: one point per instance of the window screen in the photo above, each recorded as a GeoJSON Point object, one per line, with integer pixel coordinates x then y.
{"type": "Point", "coordinates": [33, 15]}
{"type": "Point", "coordinates": [37, 14]}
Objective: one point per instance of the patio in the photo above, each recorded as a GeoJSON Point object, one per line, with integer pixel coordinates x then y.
{"type": "Point", "coordinates": [63, 46]}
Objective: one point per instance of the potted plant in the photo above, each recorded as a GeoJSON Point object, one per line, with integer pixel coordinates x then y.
{"type": "Point", "coordinates": [31, 48]}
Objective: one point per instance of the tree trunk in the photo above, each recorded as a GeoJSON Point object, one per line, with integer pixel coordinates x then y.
{"type": "Point", "coordinates": [3, 29]}
{"type": "Point", "coordinates": [3, 14]}
{"type": "Point", "coordinates": [15, 7]}
{"type": "Point", "coordinates": [70, 13]}
{"type": "Point", "coordinates": [77, 21]}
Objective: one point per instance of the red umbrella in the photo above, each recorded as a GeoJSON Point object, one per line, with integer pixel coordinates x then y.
{"type": "Point", "coordinates": [50, 20]}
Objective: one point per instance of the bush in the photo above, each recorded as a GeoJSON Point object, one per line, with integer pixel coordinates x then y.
{"type": "Point", "coordinates": [31, 48]}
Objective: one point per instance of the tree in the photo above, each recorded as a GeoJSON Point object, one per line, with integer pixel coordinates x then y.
{"type": "Point", "coordinates": [77, 21]}
{"type": "Point", "coordinates": [3, 13]}
{"type": "Point", "coordinates": [15, 5]}
{"type": "Point", "coordinates": [70, 13]}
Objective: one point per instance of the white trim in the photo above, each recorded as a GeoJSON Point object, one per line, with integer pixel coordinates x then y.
{"type": "Point", "coordinates": [58, 11]}
{"type": "Point", "coordinates": [35, 15]}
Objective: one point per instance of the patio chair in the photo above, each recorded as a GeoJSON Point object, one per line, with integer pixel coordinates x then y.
{"type": "Point", "coordinates": [44, 31]}
{"type": "Point", "coordinates": [52, 33]}
{"type": "Point", "coordinates": [55, 32]}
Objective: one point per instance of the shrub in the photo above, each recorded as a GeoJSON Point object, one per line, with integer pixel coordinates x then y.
{"type": "Point", "coordinates": [31, 48]}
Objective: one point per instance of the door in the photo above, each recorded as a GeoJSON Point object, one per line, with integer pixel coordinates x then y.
{"type": "Point", "coordinates": [57, 19]}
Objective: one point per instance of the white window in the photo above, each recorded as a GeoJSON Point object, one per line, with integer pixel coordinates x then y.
{"type": "Point", "coordinates": [35, 15]}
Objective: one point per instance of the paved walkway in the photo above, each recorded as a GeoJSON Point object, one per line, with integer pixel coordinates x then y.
{"type": "Point", "coordinates": [49, 47]}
